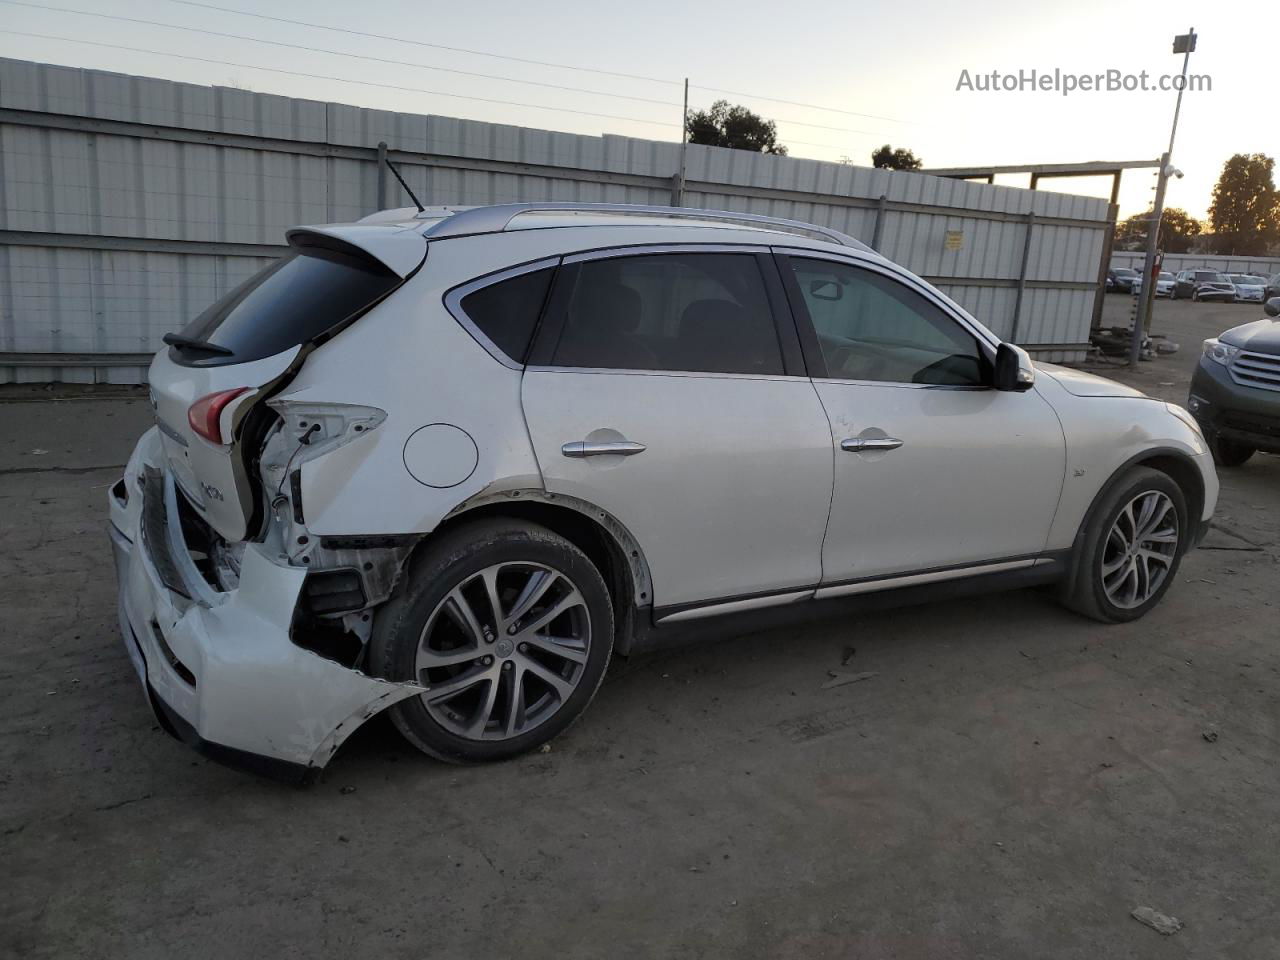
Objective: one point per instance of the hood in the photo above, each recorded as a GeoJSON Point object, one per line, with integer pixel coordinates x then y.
{"type": "Point", "coordinates": [1261, 336]}
{"type": "Point", "coordinates": [1083, 384]}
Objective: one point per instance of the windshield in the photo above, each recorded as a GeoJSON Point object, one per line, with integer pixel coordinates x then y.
{"type": "Point", "coordinates": [1126, 272]}
{"type": "Point", "coordinates": [1208, 276]}
{"type": "Point", "coordinates": [1166, 275]}
{"type": "Point", "coordinates": [293, 300]}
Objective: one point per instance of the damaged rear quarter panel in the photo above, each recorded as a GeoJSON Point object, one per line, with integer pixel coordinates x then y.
{"type": "Point", "coordinates": [435, 374]}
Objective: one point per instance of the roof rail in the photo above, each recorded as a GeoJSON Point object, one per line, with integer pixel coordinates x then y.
{"type": "Point", "coordinates": [496, 219]}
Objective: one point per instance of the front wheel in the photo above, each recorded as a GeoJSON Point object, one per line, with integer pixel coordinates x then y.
{"type": "Point", "coordinates": [1131, 549]}
{"type": "Point", "coordinates": [508, 627]}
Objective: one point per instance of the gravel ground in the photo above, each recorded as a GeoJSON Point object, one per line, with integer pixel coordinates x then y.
{"type": "Point", "coordinates": [1012, 782]}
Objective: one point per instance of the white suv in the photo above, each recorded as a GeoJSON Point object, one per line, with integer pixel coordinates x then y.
{"type": "Point", "coordinates": [447, 462]}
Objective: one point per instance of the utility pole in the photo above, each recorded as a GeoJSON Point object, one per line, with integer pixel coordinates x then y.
{"type": "Point", "coordinates": [1184, 44]}
{"type": "Point", "coordinates": [678, 199]}
{"type": "Point", "coordinates": [1147, 297]}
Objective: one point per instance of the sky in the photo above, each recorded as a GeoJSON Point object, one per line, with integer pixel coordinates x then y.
{"type": "Point", "coordinates": [843, 77]}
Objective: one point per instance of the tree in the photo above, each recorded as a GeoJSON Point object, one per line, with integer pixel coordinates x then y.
{"type": "Point", "coordinates": [736, 127]}
{"type": "Point", "coordinates": [1245, 212]}
{"type": "Point", "coordinates": [1177, 230]}
{"type": "Point", "coordinates": [888, 158]}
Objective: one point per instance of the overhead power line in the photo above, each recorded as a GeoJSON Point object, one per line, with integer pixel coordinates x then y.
{"type": "Point", "coordinates": [400, 63]}
{"type": "Point", "coordinates": [336, 53]}
{"type": "Point", "coordinates": [422, 43]}
{"type": "Point", "coordinates": [539, 63]}
{"type": "Point", "coordinates": [322, 76]}
{"type": "Point", "coordinates": [796, 103]}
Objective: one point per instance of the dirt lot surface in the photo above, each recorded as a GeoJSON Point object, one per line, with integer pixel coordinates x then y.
{"type": "Point", "coordinates": [1013, 782]}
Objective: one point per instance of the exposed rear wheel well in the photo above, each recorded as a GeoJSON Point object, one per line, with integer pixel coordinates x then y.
{"type": "Point", "coordinates": [589, 536]}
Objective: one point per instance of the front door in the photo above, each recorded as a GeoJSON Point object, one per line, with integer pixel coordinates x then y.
{"type": "Point", "coordinates": [657, 391]}
{"type": "Point", "coordinates": [933, 467]}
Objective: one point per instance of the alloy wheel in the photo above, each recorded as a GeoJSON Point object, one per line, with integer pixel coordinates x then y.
{"type": "Point", "coordinates": [503, 651]}
{"type": "Point", "coordinates": [1140, 549]}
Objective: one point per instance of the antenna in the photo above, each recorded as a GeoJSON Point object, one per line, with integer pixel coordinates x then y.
{"type": "Point", "coordinates": [387, 161]}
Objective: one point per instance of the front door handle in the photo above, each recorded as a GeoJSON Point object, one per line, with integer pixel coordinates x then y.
{"type": "Point", "coordinates": [864, 444]}
{"type": "Point", "coordinates": [617, 448]}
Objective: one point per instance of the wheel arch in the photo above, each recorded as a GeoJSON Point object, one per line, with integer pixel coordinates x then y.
{"type": "Point", "coordinates": [596, 532]}
{"type": "Point", "coordinates": [1170, 461]}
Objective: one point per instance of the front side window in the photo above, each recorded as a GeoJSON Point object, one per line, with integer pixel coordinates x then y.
{"type": "Point", "coordinates": [871, 327]}
{"type": "Point", "coordinates": [699, 312]}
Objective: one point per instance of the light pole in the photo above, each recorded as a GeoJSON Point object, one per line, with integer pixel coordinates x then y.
{"type": "Point", "coordinates": [1184, 43]}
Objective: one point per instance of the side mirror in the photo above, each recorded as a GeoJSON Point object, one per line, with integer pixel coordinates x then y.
{"type": "Point", "coordinates": [1014, 370]}
{"type": "Point", "coordinates": [826, 290]}
{"type": "Point", "coordinates": [1272, 307]}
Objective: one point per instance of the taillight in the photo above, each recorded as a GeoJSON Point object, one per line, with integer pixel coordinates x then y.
{"type": "Point", "coordinates": [206, 413]}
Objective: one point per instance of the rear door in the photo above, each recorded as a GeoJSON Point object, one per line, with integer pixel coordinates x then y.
{"type": "Point", "coordinates": [240, 348]}
{"type": "Point", "coordinates": [662, 390]}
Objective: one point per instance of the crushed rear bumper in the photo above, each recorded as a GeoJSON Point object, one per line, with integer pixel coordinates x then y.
{"type": "Point", "coordinates": [219, 668]}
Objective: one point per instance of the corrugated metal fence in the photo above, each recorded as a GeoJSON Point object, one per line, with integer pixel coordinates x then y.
{"type": "Point", "coordinates": [1173, 262]}
{"type": "Point", "coordinates": [128, 204]}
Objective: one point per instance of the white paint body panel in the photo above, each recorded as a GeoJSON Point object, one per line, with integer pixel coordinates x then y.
{"type": "Point", "coordinates": [256, 691]}
{"type": "Point", "coordinates": [977, 477]}
{"type": "Point", "coordinates": [731, 495]}
{"type": "Point", "coordinates": [742, 489]}
{"type": "Point", "coordinates": [212, 475]}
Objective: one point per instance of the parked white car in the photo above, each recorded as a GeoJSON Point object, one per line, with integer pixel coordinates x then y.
{"type": "Point", "coordinates": [447, 463]}
{"type": "Point", "coordinates": [1249, 288]}
{"type": "Point", "coordinates": [1164, 284]}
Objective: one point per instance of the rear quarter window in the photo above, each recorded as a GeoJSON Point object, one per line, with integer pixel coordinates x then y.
{"type": "Point", "coordinates": [506, 312]}
{"type": "Point", "coordinates": [299, 297]}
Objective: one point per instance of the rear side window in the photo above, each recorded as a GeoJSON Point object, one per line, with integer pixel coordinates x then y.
{"type": "Point", "coordinates": [301, 296]}
{"type": "Point", "coordinates": [507, 311]}
{"type": "Point", "coordinates": [699, 312]}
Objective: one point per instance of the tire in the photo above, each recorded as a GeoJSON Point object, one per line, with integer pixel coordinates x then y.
{"type": "Point", "coordinates": [1099, 585]}
{"type": "Point", "coordinates": [1229, 453]}
{"type": "Point", "coordinates": [1195, 296]}
{"type": "Point", "coordinates": [527, 566]}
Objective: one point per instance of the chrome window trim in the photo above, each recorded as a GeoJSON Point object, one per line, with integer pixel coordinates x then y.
{"type": "Point", "coordinates": [900, 384]}
{"type": "Point", "coordinates": [985, 337]}
{"type": "Point", "coordinates": [454, 296]}
{"type": "Point", "coordinates": [631, 372]}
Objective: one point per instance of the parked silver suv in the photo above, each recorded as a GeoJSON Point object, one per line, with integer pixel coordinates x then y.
{"type": "Point", "coordinates": [448, 462]}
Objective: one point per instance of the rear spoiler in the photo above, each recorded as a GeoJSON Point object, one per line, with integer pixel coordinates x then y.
{"type": "Point", "coordinates": [398, 249]}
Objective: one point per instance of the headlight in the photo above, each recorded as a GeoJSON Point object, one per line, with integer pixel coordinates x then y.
{"type": "Point", "coordinates": [1215, 349]}
{"type": "Point", "coordinates": [1185, 416]}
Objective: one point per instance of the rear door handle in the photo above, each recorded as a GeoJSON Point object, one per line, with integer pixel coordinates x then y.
{"type": "Point", "coordinates": [617, 448]}
{"type": "Point", "coordinates": [864, 444]}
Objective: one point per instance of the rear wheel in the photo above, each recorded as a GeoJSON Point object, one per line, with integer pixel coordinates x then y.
{"type": "Point", "coordinates": [1131, 548]}
{"type": "Point", "coordinates": [509, 628]}
{"type": "Point", "coordinates": [1228, 453]}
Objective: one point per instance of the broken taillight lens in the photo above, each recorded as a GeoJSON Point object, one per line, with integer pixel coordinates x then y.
{"type": "Point", "coordinates": [206, 413]}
